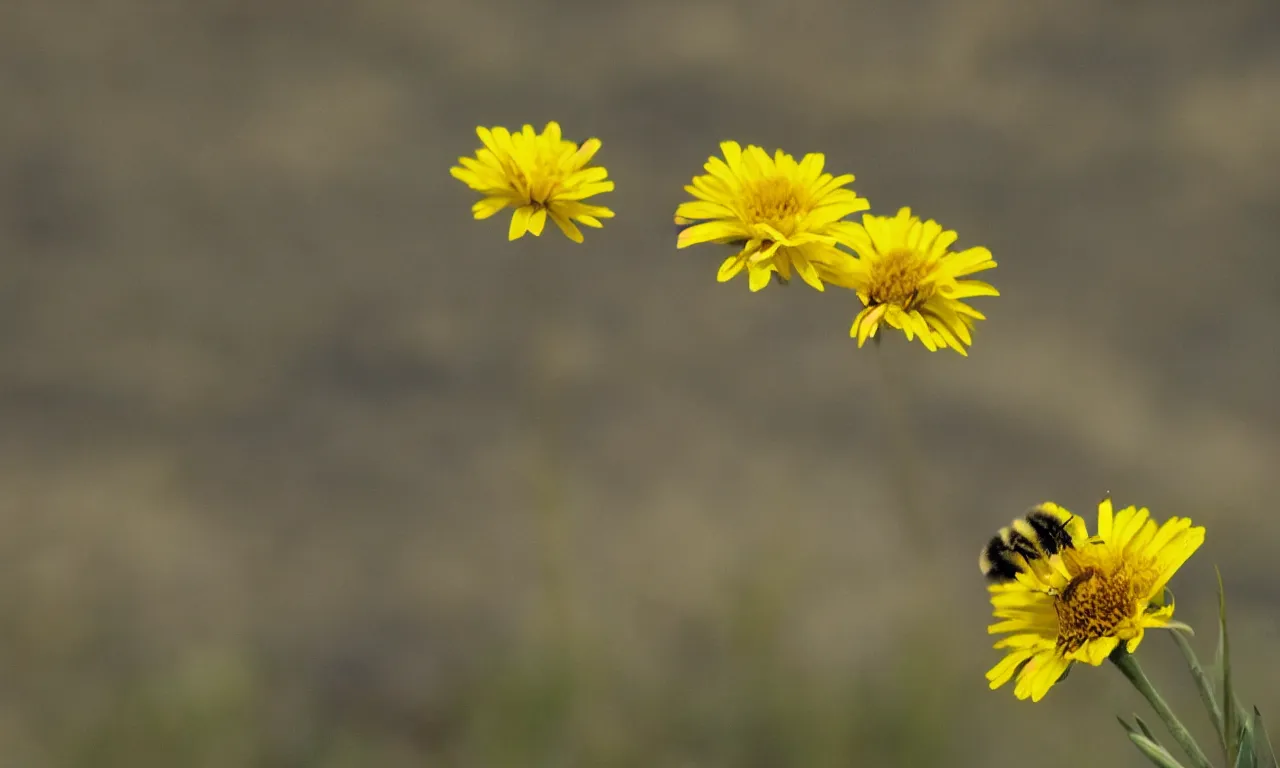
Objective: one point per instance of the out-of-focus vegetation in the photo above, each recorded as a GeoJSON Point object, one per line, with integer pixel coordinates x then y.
{"type": "Point", "coordinates": [269, 462]}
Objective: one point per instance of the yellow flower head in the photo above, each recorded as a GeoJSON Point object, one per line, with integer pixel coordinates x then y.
{"type": "Point", "coordinates": [1080, 603]}
{"type": "Point", "coordinates": [906, 277]}
{"type": "Point", "coordinates": [538, 174]}
{"type": "Point", "coordinates": [781, 212]}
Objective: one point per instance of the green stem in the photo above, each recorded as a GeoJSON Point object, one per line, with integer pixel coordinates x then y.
{"type": "Point", "coordinates": [1128, 666]}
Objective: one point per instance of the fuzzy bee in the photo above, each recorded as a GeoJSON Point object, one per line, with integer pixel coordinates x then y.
{"type": "Point", "coordinates": [1041, 533]}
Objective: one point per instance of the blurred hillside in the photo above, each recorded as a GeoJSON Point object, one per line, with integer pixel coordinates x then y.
{"type": "Point", "coordinates": [301, 466]}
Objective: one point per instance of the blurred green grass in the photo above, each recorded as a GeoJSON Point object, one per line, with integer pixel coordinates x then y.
{"type": "Point", "coordinates": [747, 706]}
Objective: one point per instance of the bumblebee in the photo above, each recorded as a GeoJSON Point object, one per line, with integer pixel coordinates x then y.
{"type": "Point", "coordinates": [1050, 529]}
{"type": "Point", "coordinates": [1039, 534]}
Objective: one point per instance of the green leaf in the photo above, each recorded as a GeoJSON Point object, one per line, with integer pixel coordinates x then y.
{"type": "Point", "coordinates": [1235, 720]}
{"type": "Point", "coordinates": [1247, 757]}
{"type": "Point", "coordinates": [1129, 729]}
{"type": "Point", "coordinates": [1261, 727]}
{"type": "Point", "coordinates": [1203, 684]}
{"type": "Point", "coordinates": [1146, 729]}
{"type": "Point", "coordinates": [1129, 667]}
{"type": "Point", "coordinates": [1142, 729]}
{"type": "Point", "coordinates": [1230, 727]}
{"type": "Point", "coordinates": [1154, 752]}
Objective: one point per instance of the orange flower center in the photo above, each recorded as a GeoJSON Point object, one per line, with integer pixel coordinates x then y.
{"type": "Point", "coordinates": [1097, 601]}
{"type": "Point", "coordinates": [897, 277]}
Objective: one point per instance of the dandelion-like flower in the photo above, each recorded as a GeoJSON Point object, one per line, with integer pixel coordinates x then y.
{"type": "Point", "coordinates": [538, 174]}
{"type": "Point", "coordinates": [906, 277]}
{"type": "Point", "coordinates": [1082, 602]}
{"type": "Point", "coordinates": [782, 213]}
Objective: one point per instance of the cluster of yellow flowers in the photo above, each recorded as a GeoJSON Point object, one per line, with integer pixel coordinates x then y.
{"type": "Point", "coordinates": [1059, 595]}
{"type": "Point", "coordinates": [785, 217]}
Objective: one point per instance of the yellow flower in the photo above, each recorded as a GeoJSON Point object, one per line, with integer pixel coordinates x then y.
{"type": "Point", "coordinates": [538, 174]}
{"type": "Point", "coordinates": [1082, 602]}
{"type": "Point", "coordinates": [781, 212]}
{"type": "Point", "coordinates": [906, 277]}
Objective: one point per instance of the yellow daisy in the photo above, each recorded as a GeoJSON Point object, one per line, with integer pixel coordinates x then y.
{"type": "Point", "coordinates": [538, 174]}
{"type": "Point", "coordinates": [781, 212]}
{"type": "Point", "coordinates": [906, 277]}
{"type": "Point", "coordinates": [1082, 602]}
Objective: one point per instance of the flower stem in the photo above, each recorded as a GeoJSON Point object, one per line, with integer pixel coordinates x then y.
{"type": "Point", "coordinates": [1128, 666]}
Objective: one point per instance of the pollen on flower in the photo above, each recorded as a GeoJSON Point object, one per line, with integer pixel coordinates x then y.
{"type": "Point", "coordinates": [898, 279]}
{"type": "Point", "coordinates": [776, 201]}
{"type": "Point", "coordinates": [1091, 606]}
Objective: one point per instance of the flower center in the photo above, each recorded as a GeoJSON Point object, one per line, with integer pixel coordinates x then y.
{"type": "Point", "coordinates": [1095, 603]}
{"type": "Point", "coordinates": [775, 201]}
{"type": "Point", "coordinates": [539, 185]}
{"type": "Point", "coordinates": [897, 277]}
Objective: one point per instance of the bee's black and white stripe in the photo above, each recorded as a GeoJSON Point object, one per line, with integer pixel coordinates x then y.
{"type": "Point", "coordinates": [1041, 533]}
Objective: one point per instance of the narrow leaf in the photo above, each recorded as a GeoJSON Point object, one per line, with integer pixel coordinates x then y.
{"type": "Point", "coordinates": [1247, 757]}
{"type": "Point", "coordinates": [1154, 752]}
{"type": "Point", "coordinates": [1230, 728]}
{"type": "Point", "coordinates": [1129, 729]}
{"type": "Point", "coordinates": [1146, 729]}
{"type": "Point", "coordinates": [1203, 684]}
{"type": "Point", "coordinates": [1261, 727]}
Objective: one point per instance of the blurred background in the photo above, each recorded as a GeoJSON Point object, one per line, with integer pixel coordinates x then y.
{"type": "Point", "coordinates": [301, 466]}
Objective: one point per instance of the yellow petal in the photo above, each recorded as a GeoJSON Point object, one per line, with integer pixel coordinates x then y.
{"type": "Point", "coordinates": [1138, 542]}
{"type": "Point", "coordinates": [1050, 672]}
{"type": "Point", "coordinates": [864, 325]}
{"type": "Point", "coordinates": [587, 176]}
{"type": "Point", "coordinates": [759, 277]}
{"type": "Point", "coordinates": [701, 209]}
{"type": "Point", "coordinates": [537, 221]}
{"type": "Point", "coordinates": [970, 261]}
{"type": "Point", "coordinates": [1105, 519]}
{"type": "Point", "coordinates": [489, 140]}
{"type": "Point", "coordinates": [1171, 528]}
{"type": "Point", "coordinates": [586, 152]}
{"type": "Point", "coordinates": [709, 232]}
{"type": "Point", "coordinates": [489, 206]}
{"type": "Point", "coordinates": [1027, 641]}
{"type": "Point", "coordinates": [730, 268]}
{"type": "Point", "coordinates": [1003, 671]}
{"type": "Point", "coordinates": [966, 289]}
{"type": "Point", "coordinates": [1128, 524]}
{"type": "Point", "coordinates": [1043, 625]}
{"type": "Point", "coordinates": [1096, 651]}
{"type": "Point", "coordinates": [732, 152]}
{"type": "Point", "coordinates": [583, 191]}
{"type": "Point", "coordinates": [519, 222]}
{"type": "Point", "coordinates": [765, 256]}
{"type": "Point", "coordinates": [570, 230]}
{"type": "Point", "coordinates": [805, 269]}
{"type": "Point", "coordinates": [1172, 557]}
